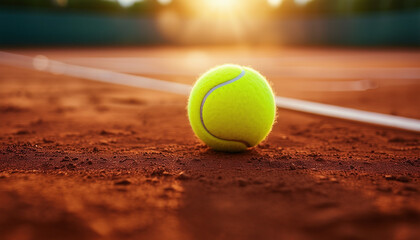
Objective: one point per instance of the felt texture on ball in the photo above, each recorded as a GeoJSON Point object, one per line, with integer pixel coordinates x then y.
{"type": "Point", "coordinates": [231, 108]}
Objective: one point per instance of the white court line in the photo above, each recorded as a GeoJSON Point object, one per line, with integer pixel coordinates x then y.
{"type": "Point", "coordinates": [348, 113]}
{"type": "Point", "coordinates": [42, 63]}
{"type": "Point", "coordinates": [191, 66]}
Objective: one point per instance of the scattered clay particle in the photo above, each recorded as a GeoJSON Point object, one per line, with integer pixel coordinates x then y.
{"type": "Point", "coordinates": [22, 132]}
{"type": "Point", "coordinates": [45, 140]}
{"type": "Point", "coordinates": [158, 172]}
{"type": "Point", "coordinates": [410, 188]}
{"type": "Point", "coordinates": [384, 189]}
{"type": "Point", "coordinates": [242, 182]}
{"type": "Point", "coordinates": [183, 176]}
{"type": "Point", "coordinates": [334, 180]}
{"type": "Point", "coordinates": [169, 189]}
{"type": "Point", "coordinates": [322, 177]}
{"type": "Point", "coordinates": [124, 182]}
{"type": "Point", "coordinates": [4, 175]}
{"type": "Point", "coordinates": [389, 177]}
{"type": "Point", "coordinates": [71, 166]}
{"type": "Point", "coordinates": [404, 179]}
{"type": "Point", "coordinates": [104, 132]}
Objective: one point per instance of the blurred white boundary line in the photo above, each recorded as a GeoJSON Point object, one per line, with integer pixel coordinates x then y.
{"type": "Point", "coordinates": [194, 66]}
{"type": "Point", "coordinates": [348, 113]}
{"type": "Point", "coordinates": [42, 63]}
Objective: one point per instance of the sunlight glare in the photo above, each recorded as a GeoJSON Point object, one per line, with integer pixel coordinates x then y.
{"type": "Point", "coordinates": [164, 2]}
{"type": "Point", "coordinates": [302, 2]}
{"type": "Point", "coordinates": [221, 5]}
{"type": "Point", "coordinates": [128, 3]}
{"type": "Point", "coordinates": [274, 3]}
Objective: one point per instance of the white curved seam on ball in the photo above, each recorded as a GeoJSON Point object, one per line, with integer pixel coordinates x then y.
{"type": "Point", "coordinates": [204, 101]}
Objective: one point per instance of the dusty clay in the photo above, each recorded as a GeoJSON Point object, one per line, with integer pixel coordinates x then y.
{"type": "Point", "coordinates": [87, 160]}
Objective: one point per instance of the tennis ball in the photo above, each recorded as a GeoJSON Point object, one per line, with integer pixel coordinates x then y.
{"type": "Point", "coordinates": [231, 108]}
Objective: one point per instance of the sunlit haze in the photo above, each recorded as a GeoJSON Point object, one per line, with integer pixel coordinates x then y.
{"type": "Point", "coordinates": [164, 2]}
{"type": "Point", "coordinates": [274, 3]}
{"type": "Point", "coordinates": [128, 3]}
{"type": "Point", "coordinates": [302, 2]}
{"type": "Point", "coordinates": [221, 5]}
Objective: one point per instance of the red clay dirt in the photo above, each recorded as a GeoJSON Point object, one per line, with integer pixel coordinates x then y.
{"type": "Point", "coordinates": [87, 160]}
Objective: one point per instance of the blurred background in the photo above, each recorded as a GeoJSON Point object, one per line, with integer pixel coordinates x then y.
{"type": "Point", "coordinates": [208, 22]}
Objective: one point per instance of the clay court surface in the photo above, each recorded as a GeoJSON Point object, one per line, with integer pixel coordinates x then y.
{"type": "Point", "coordinates": [89, 160]}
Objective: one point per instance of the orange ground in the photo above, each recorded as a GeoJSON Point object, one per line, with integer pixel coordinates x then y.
{"type": "Point", "coordinates": [88, 160]}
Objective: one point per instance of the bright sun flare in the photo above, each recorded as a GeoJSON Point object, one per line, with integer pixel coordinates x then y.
{"type": "Point", "coordinates": [221, 5]}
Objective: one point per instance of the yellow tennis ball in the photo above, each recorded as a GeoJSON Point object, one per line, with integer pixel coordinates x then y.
{"type": "Point", "coordinates": [231, 108]}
